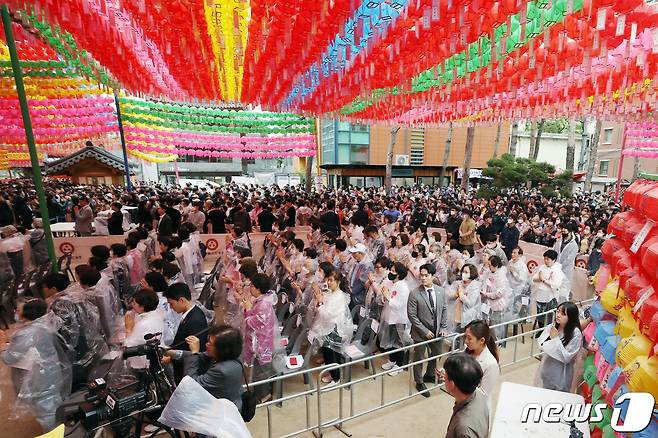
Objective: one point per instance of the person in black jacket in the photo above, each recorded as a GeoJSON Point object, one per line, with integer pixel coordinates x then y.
{"type": "Point", "coordinates": [165, 223]}
{"type": "Point", "coordinates": [329, 221]}
{"type": "Point", "coordinates": [6, 213]}
{"type": "Point", "coordinates": [193, 323]}
{"type": "Point", "coordinates": [452, 224]}
{"type": "Point", "coordinates": [360, 216]}
{"type": "Point", "coordinates": [115, 221]}
{"type": "Point", "coordinates": [218, 370]}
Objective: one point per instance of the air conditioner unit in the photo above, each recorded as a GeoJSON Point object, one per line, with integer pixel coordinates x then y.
{"type": "Point", "coordinates": [401, 160]}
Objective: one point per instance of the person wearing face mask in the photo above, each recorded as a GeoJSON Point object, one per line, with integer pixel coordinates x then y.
{"type": "Point", "coordinates": [518, 277]}
{"type": "Point", "coordinates": [376, 280]}
{"type": "Point", "coordinates": [595, 259]}
{"type": "Point", "coordinates": [418, 259]}
{"type": "Point", "coordinates": [466, 298]}
{"type": "Point", "coordinates": [546, 282]}
{"type": "Point", "coordinates": [394, 329]}
{"type": "Point", "coordinates": [453, 222]}
{"type": "Point", "coordinates": [566, 247]}
{"type": "Point", "coordinates": [41, 372]}
{"type": "Point", "coordinates": [509, 237]}
{"type": "Point", "coordinates": [496, 296]}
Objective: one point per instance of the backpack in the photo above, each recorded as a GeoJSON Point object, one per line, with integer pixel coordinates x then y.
{"type": "Point", "coordinates": [249, 401]}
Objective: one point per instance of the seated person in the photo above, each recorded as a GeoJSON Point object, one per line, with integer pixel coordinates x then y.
{"type": "Point", "coordinates": [218, 370]}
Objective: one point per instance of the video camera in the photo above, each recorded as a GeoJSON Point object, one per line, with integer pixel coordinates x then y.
{"type": "Point", "coordinates": [100, 405]}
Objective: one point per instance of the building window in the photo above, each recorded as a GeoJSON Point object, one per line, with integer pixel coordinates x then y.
{"type": "Point", "coordinates": [359, 128]}
{"type": "Point", "coordinates": [417, 143]}
{"type": "Point", "coordinates": [607, 135]}
{"type": "Point", "coordinates": [603, 168]}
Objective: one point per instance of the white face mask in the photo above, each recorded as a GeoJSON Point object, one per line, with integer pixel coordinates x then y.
{"type": "Point", "coordinates": [466, 276]}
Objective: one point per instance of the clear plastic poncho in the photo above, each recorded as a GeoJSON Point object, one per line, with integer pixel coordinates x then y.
{"type": "Point", "coordinates": [109, 306]}
{"type": "Point", "coordinates": [332, 327]}
{"type": "Point", "coordinates": [262, 339]}
{"type": "Point", "coordinates": [557, 363]}
{"type": "Point", "coordinates": [518, 276]}
{"type": "Point", "coordinates": [40, 370]}
{"type": "Point", "coordinates": [193, 409]}
{"type": "Point", "coordinates": [81, 329]}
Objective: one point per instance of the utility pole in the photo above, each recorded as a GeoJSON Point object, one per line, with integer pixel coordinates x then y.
{"type": "Point", "coordinates": [29, 134]}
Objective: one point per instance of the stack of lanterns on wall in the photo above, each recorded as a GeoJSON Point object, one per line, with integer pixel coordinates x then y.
{"type": "Point", "coordinates": [622, 340]}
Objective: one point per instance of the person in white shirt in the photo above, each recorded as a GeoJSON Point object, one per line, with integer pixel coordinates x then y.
{"type": "Point", "coordinates": [145, 318]}
{"type": "Point", "coordinates": [481, 344]}
{"type": "Point", "coordinates": [496, 295]}
{"type": "Point", "coordinates": [395, 327]}
{"type": "Point", "coordinates": [518, 277]}
{"type": "Point", "coordinates": [546, 282]}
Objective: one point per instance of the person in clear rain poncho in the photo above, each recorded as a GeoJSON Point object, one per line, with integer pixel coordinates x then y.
{"type": "Point", "coordinates": [332, 328]}
{"type": "Point", "coordinates": [518, 276]}
{"type": "Point", "coordinates": [40, 368]}
{"type": "Point", "coordinates": [560, 343]}
{"type": "Point", "coordinates": [81, 330]}
{"type": "Point", "coordinates": [262, 350]}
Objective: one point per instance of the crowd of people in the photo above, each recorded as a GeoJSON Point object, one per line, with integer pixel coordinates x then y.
{"type": "Point", "coordinates": [364, 255]}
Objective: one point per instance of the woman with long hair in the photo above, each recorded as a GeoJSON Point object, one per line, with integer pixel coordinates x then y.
{"type": "Point", "coordinates": [481, 344]}
{"type": "Point", "coordinates": [560, 343]}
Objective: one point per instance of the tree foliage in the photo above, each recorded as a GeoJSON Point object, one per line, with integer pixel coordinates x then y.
{"type": "Point", "coordinates": [510, 174]}
{"type": "Point", "coordinates": [561, 126]}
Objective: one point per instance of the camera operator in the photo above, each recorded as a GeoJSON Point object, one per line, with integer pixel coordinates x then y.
{"type": "Point", "coordinates": [40, 368]}
{"type": "Point", "coordinates": [218, 370]}
{"type": "Point", "coordinates": [145, 318]}
{"type": "Point", "coordinates": [81, 330]}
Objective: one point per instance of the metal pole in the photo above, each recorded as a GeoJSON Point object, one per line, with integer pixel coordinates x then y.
{"type": "Point", "coordinates": [29, 134]}
{"type": "Point", "coordinates": [126, 167]}
{"type": "Point", "coordinates": [621, 163]}
{"type": "Point", "coordinates": [176, 169]}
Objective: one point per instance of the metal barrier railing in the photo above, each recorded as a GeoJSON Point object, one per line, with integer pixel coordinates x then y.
{"type": "Point", "coordinates": [317, 427]}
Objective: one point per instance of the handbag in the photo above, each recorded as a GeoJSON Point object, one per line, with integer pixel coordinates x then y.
{"type": "Point", "coordinates": [249, 400]}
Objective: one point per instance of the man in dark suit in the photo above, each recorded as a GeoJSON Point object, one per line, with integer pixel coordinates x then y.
{"type": "Point", "coordinates": [329, 221]}
{"type": "Point", "coordinates": [165, 223]}
{"type": "Point", "coordinates": [426, 309]}
{"type": "Point", "coordinates": [115, 221]}
{"type": "Point", "coordinates": [193, 323]}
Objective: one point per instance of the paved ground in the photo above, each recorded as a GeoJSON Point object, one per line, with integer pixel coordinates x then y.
{"type": "Point", "coordinates": [418, 417]}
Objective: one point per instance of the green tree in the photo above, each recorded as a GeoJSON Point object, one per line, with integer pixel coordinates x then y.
{"type": "Point", "coordinates": [561, 126]}
{"type": "Point", "coordinates": [512, 173]}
